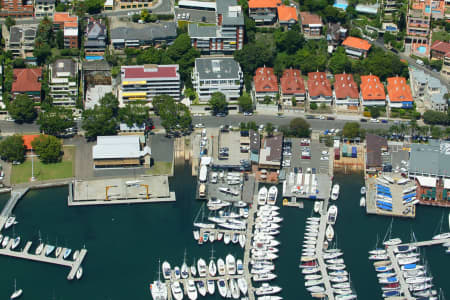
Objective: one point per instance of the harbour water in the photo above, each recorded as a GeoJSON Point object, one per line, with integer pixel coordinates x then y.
{"type": "Point", "coordinates": [125, 243]}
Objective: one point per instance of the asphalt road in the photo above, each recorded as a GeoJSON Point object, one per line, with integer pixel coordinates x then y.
{"type": "Point", "coordinates": [210, 121]}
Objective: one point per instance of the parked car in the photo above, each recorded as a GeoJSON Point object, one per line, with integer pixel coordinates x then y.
{"type": "Point", "coordinates": [374, 120]}
{"type": "Point", "coordinates": [363, 120]}
{"type": "Point", "coordinates": [419, 62]}
{"type": "Point", "coordinates": [199, 125]}
{"type": "Point", "coordinates": [247, 113]}
{"type": "Point", "coordinates": [384, 121]}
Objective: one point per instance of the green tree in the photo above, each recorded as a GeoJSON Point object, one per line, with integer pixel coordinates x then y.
{"type": "Point", "coordinates": [313, 105]}
{"type": "Point", "coordinates": [190, 93]}
{"type": "Point", "coordinates": [22, 109]}
{"type": "Point", "coordinates": [436, 132]}
{"type": "Point", "coordinates": [160, 100]}
{"type": "Point", "coordinates": [56, 120]}
{"type": "Point", "coordinates": [267, 100]}
{"type": "Point", "coordinates": [94, 6]}
{"type": "Point", "coordinates": [110, 101]}
{"type": "Point", "coordinates": [339, 62]}
{"type": "Point", "coordinates": [269, 129]}
{"type": "Point", "coordinates": [182, 53]}
{"type": "Point", "coordinates": [134, 113]}
{"type": "Point", "coordinates": [48, 147]}
{"type": "Point", "coordinates": [351, 130]}
{"type": "Point", "coordinates": [374, 112]}
{"type": "Point", "coordinates": [60, 39]}
{"type": "Point", "coordinates": [174, 115]}
{"type": "Point", "coordinates": [9, 22]}
{"type": "Point", "coordinates": [288, 41]}
{"type": "Point", "coordinates": [294, 101]}
{"type": "Point", "coordinates": [99, 121]}
{"type": "Point", "coordinates": [254, 55]}
{"type": "Point", "coordinates": [252, 125]}
{"type": "Point", "coordinates": [12, 148]}
{"type": "Point", "coordinates": [245, 102]}
{"type": "Point", "coordinates": [299, 127]}
{"type": "Point", "coordinates": [218, 103]}
{"type": "Point", "coordinates": [435, 118]}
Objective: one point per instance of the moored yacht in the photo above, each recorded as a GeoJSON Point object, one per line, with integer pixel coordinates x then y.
{"type": "Point", "coordinates": [221, 267]}
{"type": "Point", "coordinates": [318, 204]}
{"type": "Point", "coordinates": [223, 290]}
{"type": "Point", "coordinates": [230, 264]}
{"type": "Point", "coordinates": [177, 292]}
{"type": "Point", "coordinates": [201, 288]}
{"type": "Point", "coordinates": [201, 267]}
{"type": "Point", "coordinates": [272, 195]}
{"type": "Point", "coordinates": [329, 232]}
{"type": "Point", "coordinates": [16, 243]}
{"type": "Point", "coordinates": [267, 289]}
{"type": "Point", "coordinates": [191, 290]}
{"type": "Point", "coordinates": [335, 192]}
{"type": "Point", "coordinates": [10, 222]}
{"type": "Point", "coordinates": [211, 286]}
{"type": "Point", "coordinates": [79, 273]}
{"type": "Point", "coordinates": [67, 253]}
{"type": "Point", "coordinates": [158, 289]}
{"type": "Point", "coordinates": [49, 249]}
{"type": "Point", "coordinates": [332, 214]}
{"type": "Point", "coordinates": [262, 196]}
{"type": "Point", "coordinates": [166, 270]}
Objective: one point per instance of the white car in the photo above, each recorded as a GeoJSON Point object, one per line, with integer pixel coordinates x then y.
{"type": "Point", "coordinates": [322, 117]}
{"type": "Point", "coordinates": [187, 16]}
{"type": "Point", "coordinates": [199, 125]}
{"type": "Point", "coordinates": [324, 158]}
{"type": "Point", "coordinates": [324, 152]}
{"type": "Point", "coordinates": [246, 113]}
{"type": "Point", "coordinates": [178, 16]}
{"type": "Point", "coordinates": [374, 120]}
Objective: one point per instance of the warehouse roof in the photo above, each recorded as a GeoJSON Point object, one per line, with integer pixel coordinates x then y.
{"type": "Point", "coordinates": [118, 147]}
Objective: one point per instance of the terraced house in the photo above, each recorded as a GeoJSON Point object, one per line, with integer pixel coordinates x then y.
{"type": "Point", "coordinates": [399, 93]}
{"type": "Point", "coordinates": [319, 88]}
{"type": "Point", "coordinates": [63, 74]}
{"type": "Point", "coordinates": [372, 91]}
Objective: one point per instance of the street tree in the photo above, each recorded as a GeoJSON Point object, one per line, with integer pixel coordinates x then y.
{"type": "Point", "coordinates": [374, 112]}
{"type": "Point", "coordinates": [174, 115]}
{"type": "Point", "coordinates": [22, 109]}
{"type": "Point", "coordinates": [267, 100]}
{"type": "Point", "coordinates": [269, 129]}
{"type": "Point", "coordinates": [99, 121]}
{"type": "Point", "coordinates": [218, 103]}
{"type": "Point", "coordinates": [110, 101]}
{"type": "Point", "coordinates": [351, 130]}
{"type": "Point", "coordinates": [56, 120]}
{"type": "Point", "coordinates": [339, 62]}
{"type": "Point", "coordinates": [245, 102]}
{"type": "Point", "coordinates": [48, 147]}
{"type": "Point", "coordinates": [12, 148]}
{"type": "Point", "coordinates": [9, 22]}
{"type": "Point", "coordinates": [299, 127]}
{"type": "Point", "coordinates": [160, 100]}
{"type": "Point", "coordinates": [134, 113]}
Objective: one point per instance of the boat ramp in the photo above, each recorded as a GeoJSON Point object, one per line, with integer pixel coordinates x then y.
{"type": "Point", "coordinates": [16, 195]}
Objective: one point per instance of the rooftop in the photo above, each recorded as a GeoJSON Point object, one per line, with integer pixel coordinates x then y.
{"type": "Point", "coordinates": [374, 145]}
{"type": "Point", "coordinates": [27, 139]}
{"type": "Point", "coordinates": [308, 18]}
{"type": "Point", "coordinates": [433, 83]}
{"type": "Point", "coordinates": [441, 46]}
{"type": "Point", "coordinates": [217, 68]}
{"type": "Point", "coordinates": [62, 17]}
{"type": "Point", "coordinates": [398, 90]}
{"type": "Point", "coordinates": [197, 31]}
{"type": "Point", "coordinates": [27, 80]}
{"type": "Point", "coordinates": [95, 30]}
{"type": "Point", "coordinates": [292, 82]}
{"type": "Point", "coordinates": [356, 43]}
{"type": "Point", "coordinates": [64, 65]}
{"type": "Point", "coordinates": [345, 86]}
{"type": "Point", "coordinates": [265, 80]}
{"type": "Point", "coordinates": [17, 32]}
{"type": "Point", "coordinates": [143, 32]}
{"type": "Point", "coordinates": [372, 88]}
{"type": "Point", "coordinates": [150, 72]}
{"type": "Point", "coordinates": [255, 141]}
{"type": "Point", "coordinates": [118, 147]}
{"type": "Point", "coordinates": [287, 13]}
{"type": "Point", "coordinates": [318, 84]}
{"type": "Point", "coordinates": [271, 150]}
{"type": "Point", "coordinates": [431, 159]}
{"type": "Point", "coordinates": [263, 3]}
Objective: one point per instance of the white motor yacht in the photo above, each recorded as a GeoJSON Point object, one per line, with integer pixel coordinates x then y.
{"type": "Point", "coordinates": [16, 243]}
{"type": "Point", "coordinates": [335, 192]}
{"type": "Point", "coordinates": [201, 288]}
{"type": "Point", "coordinates": [318, 204]}
{"type": "Point", "coordinates": [262, 196]}
{"type": "Point", "coordinates": [196, 234]}
{"type": "Point", "coordinates": [230, 264]}
{"type": "Point", "coordinates": [242, 284]}
{"type": "Point", "coordinates": [201, 267]}
{"type": "Point", "coordinates": [362, 201]}
{"type": "Point", "coordinates": [329, 232]}
{"type": "Point", "coordinates": [177, 272]}
{"type": "Point", "coordinates": [211, 286]}
{"type": "Point", "coordinates": [272, 195]}
{"type": "Point", "coordinates": [267, 289]}
{"type": "Point", "coordinates": [264, 277]}
{"type": "Point", "coordinates": [193, 270]}
{"type": "Point", "coordinates": [222, 286]}
{"type": "Point", "coordinates": [239, 267]}
{"type": "Point", "coordinates": [234, 289]}
{"type": "Point", "coordinates": [332, 214]}
{"type": "Point", "coordinates": [191, 290]}
{"type": "Point", "coordinates": [212, 268]}
{"type": "Point", "coordinates": [58, 252]}
{"type": "Point", "coordinates": [221, 267]}
{"type": "Point", "coordinates": [177, 292]}
{"type": "Point", "coordinates": [242, 240]}
{"type": "Point", "coordinates": [166, 270]}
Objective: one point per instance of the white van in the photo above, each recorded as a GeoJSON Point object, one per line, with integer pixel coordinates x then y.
{"type": "Point", "coordinates": [420, 62]}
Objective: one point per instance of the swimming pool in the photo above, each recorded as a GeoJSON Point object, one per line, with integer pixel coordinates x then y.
{"type": "Point", "coordinates": [427, 9]}
{"type": "Point", "coordinates": [94, 57]}
{"type": "Point", "coordinates": [422, 49]}
{"type": "Point", "coordinates": [340, 5]}
{"type": "Point", "coordinates": [391, 28]}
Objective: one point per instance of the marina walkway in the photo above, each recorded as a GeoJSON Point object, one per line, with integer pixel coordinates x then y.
{"type": "Point", "coordinates": [24, 254]}
{"type": "Point", "coordinates": [16, 195]}
{"type": "Point", "coordinates": [319, 250]}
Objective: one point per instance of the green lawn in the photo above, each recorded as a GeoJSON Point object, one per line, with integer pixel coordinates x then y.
{"type": "Point", "coordinates": [160, 168]}
{"type": "Point", "coordinates": [441, 36]}
{"type": "Point", "coordinates": [64, 169]}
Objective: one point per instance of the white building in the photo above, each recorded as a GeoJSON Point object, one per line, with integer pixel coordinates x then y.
{"type": "Point", "coordinates": [63, 74]}
{"type": "Point", "coordinates": [147, 81]}
{"type": "Point", "coordinates": [429, 89]}
{"type": "Point", "coordinates": [212, 75]}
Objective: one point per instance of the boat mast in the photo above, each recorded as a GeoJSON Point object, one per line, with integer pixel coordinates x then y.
{"type": "Point", "coordinates": [387, 236]}
{"type": "Point", "coordinates": [159, 269]}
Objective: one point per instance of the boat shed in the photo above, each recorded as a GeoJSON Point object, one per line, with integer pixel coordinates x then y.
{"type": "Point", "coordinates": [270, 155]}
{"type": "Point", "coordinates": [120, 152]}
{"type": "Point", "coordinates": [375, 146]}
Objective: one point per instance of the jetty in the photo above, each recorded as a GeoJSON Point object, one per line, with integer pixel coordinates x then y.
{"type": "Point", "coordinates": [319, 250]}
{"type": "Point", "coordinates": [74, 265]}
{"type": "Point", "coordinates": [16, 195]}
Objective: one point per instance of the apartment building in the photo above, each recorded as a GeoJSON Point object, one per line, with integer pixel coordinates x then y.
{"type": "Point", "coordinates": [127, 4]}
{"type": "Point", "coordinates": [311, 25]}
{"type": "Point", "coordinates": [27, 82]}
{"type": "Point", "coordinates": [263, 12]}
{"type": "Point", "coordinates": [399, 93]}
{"type": "Point", "coordinates": [212, 75]}
{"type": "Point", "coordinates": [147, 81]}
{"type": "Point", "coordinates": [356, 47]}
{"type": "Point", "coordinates": [16, 8]}
{"type": "Point", "coordinates": [439, 50]}
{"type": "Point", "coordinates": [128, 34]}
{"type": "Point", "coordinates": [69, 25]}
{"type": "Point", "coordinates": [345, 92]}
{"type": "Point", "coordinates": [445, 71]}
{"type": "Point", "coordinates": [372, 91]}
{"type": "Point", "coordinates": [63, 75]}
{"type": "Point", "coordinates": [44, 8]}
{"type": "Point", "coordinates": [430, 8]}
{"type": "Point", "coordinates": [292, 87]}
{"type": "Point", "coordinates": [390, 6]}
{"type": "Point", "coordinates": [227, 36]}
{"type": "Point", "coordinates": [20, 39]}
{"type": "Point", "coordinates": [429, 89]}
{"type": "Point", "coordinates": [319, 88]}
{"type": "Point", "coordinates": [265, 84]}
{"type": "Point", "coordinates": [417, 25]}
{"type": "Point", "coordinates": [95, 38]}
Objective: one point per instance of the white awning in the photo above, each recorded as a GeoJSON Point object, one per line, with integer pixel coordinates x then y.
{"type": "Point", "coordinates": [426, 181]}
{"type": "Point", "coordinates": [447, 184]}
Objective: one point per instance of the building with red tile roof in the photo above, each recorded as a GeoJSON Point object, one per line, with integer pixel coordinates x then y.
{"type": "Point", "coordinates": [319, 88]}
{"type": "Point", "coordinates": [311, 24]}
{"type": "Point", "coordinates": [440, 49]}
{"type": "Point", "coordinates": [27, 139]}
{"type": "Point", "coordinates": [147, 81]}
{"type": "Point", "coordinates": [69, 24]}
{"type": "Point", "coordinates": [292, 85]}
{"type": "Point", "coordinates": [287, 15]}
{"type": "Point", "coordinates": [16, 9]}
{"type": "Point", "coordinates": [356, 47]}
{"type": "Point", "coordinates": [346, 91]}
{"type": "Point", "coordinates": [263, 11]}
{"type": "Point", "coordinates": [265, 83]}
{"type": "Point", "coordinates": [27, 81]}
{"type": "Point", "coordinates": [399, 93]}
{"type": "Point", "coordinates": [372, 91]}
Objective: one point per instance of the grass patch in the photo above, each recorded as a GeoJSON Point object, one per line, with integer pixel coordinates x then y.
{"type": "Point", "coordinates": [441, 36]}
{"type": "Point", "coordinates": [160, 168]}
{"type": "Point", "coordinates": [64, 169]}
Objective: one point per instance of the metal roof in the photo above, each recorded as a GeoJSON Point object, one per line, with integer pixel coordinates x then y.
{"type": "Point", "coordinates": [147, 32]}
{"type": "Point", "coordinates": [118, 147]}
{"type": "Point", "coordinates": [196, 31]}
{"type": "Point", "coordinates": [217, 68]}
{"type": "Point", "coordinates": [432, 159]}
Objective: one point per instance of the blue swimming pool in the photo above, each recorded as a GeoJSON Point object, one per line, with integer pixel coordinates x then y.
{"type": "Point", "coordinates": [427, 9]}
{"type": "Point", "coordinates": [94, 57]}
{"type": "Point", "coordinates": [391, 28]}
{"type": "Point", "coordinates": [340, 5]}
{"type": "Point", "coordinates": [422, 49]}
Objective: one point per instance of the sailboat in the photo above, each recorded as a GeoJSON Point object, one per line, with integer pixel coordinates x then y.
{"type": "Point", "coordinates": [212, 265]}
{"type": "Point", "coordinates": [329, 232]}
{"type": "Point", "coordinates": [388, 240]}
{"type": "Point", "coordinates": [441, 235]}
{"type": "Point", "coordinates": [191, 290]}
{"type": "Point", "coordinates": [335, 192]}
{"type": "Point", "coordinates": [221, 267]}
{"type": "Point", "coordinates": [184, 267]}
{"type": "Point", "coordinates": [79, 273]}
{"type": "Point", "coordinates": [166, 270]}
{"type": "Point", "coordinates": [201, 224]}
{"type": "Point", "coordinates": [17, 292]}
{"type": "Point", "coordinates": [362, 201]}
{"type": "Point", "coordinates": [318, 206]}
{"type": "Point", "coordinates": [41, 245]}
{"type": "Point", "coordinates": [157, 288]}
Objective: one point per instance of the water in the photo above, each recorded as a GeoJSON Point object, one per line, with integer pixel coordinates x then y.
{"type": "Point", "coordinates": [340, 5]}
{"type": "Point", "coordinates": [422, 49]}
{"type": "Point", "coordinates": [125, 242]}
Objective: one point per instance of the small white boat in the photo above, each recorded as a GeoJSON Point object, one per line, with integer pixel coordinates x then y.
{"type": "Point", "coordinates": [75, 254]}
{"type": "Point", "coordinates": [336, 267]}
{"type": "Point", "coordinates": [79, 273]}
{"type": "Point", "coordinates": [211, 286]}
{"type": "Point", "coordinates": [5, 241]}
{"type": "Point", "coordinates": [201, 288]}
{"type": "Point", "coordinates": [316, 289]}
{"type": "Point", "coordinates": [16, 243]}
{"type": "Point", "coordinates": [239, 266]}
{"type": "Point", "coordinates": [49, 249]}
{"type": "Point", "coordinates": [58, 252]}
{"type": "Point", "coordinates": [67, 253]}
{"type": "Point", "coordinates": [222, 286]}
{"type": "Point", "coordinates": [267, 289]}
{"type": "Point", "coordinates": [242, 284]}
{"type": "Point", "coordinates": [310, 270]}
{"type": "Point", "coordinates": [212, 268]}
{"type": "Point", "coordinates": [363, 190]}
{"type": "Point", "coordinates": [362, 201]}
{"type": "Point", "coordinates": [335, 261]}
{"type": "Point", "coordinates": [377, 251]}
{"type": "Point", "coordinates": [193, 270]}
{"type": "Point", "coordinates": [177, 272]}
{"type": "Point", "coordinates": [166, 270]}
{"type": "Point", "coordinates": [10, 222]}
{"type": "Point", "coordinates": [221, 267]}
{"type": "Point", "coordinates": [272, 195]}
{"type": "Point", "coordinates": [341, 285]}
{"type": "Point", "coordinates": [226, 238]}
{"type": "Point", "coordinates": [184, 270]}
{"type": "Point", "coordinates": [240, 204]}
{"type": "Point", "coordinates": [264, 277]}
{"type": "Point", "coordinates": [332, 214]}
{"type": "Point", "coordinates": [392, 242]}
{"type": "Point", "coordinates": [313, 277]}
{"type": "Point", "coordinates": [201, 267]}
{"type": "Point", "coordinates": [191, 290]}
{"type": "Point", "coordinates": [442, 236]}
{"type": "Point", "coordinates": [318, 206]}
{"type": "Point", "coordinates": [262, 196]}
{"type": "Point", "coordinates": [335, 192]}
{"type": "Point", "coordinates": [196, 234]}
{"type": "Point", "coordinates": [177, 292]}
{"type": "Point", "coordinates": [242, 240]}
{"type": "Point", "coordinates": [219, 236]}
{"type": "Point", "coordinates": [17, 292]}
{"type": "Point", "coordinates": [234, 289]}
{"type": "Point", "coordinates": [329, 232]}
{"type": "Point", "coordinates": [338, 273]}
{"type": "Point", "coordinates": [313, 282]}
{"type": "Point", "coordinates": [230, 264]}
